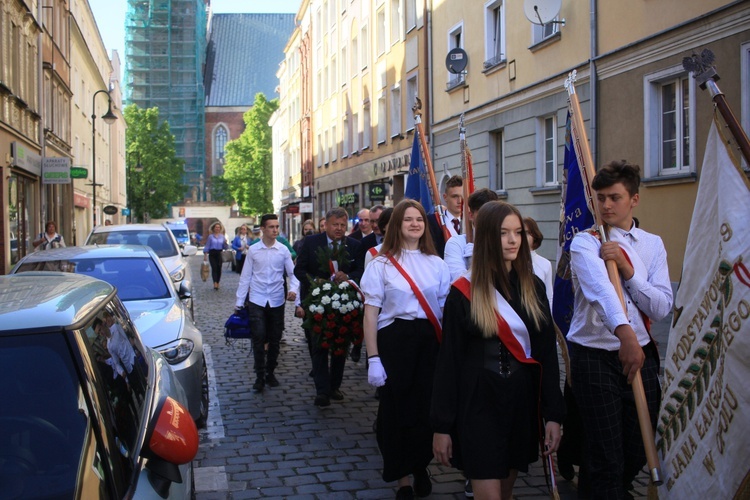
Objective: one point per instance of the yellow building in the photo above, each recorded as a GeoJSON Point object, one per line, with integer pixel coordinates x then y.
{"type": "Point", "coordinates": [362, 65]}
{"type": "Point", "coordinates": [94, 82]}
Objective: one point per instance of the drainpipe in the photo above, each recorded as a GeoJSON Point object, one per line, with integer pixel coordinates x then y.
{"type": "Point", "coordinates": [42, 112]}
{"type": "Point", "coordinates": [593, 83]}
{"type": "Point", "coordinates": [428, 70]}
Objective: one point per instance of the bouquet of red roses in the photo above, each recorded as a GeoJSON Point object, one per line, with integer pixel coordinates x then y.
{"type": "Point", "coordinates": [333, 313]}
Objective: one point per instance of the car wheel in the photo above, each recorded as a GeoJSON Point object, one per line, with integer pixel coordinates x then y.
{"type": "Point", "coordinates": [202, 419]}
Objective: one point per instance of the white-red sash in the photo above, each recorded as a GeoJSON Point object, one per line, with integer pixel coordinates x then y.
{"type": "Point", "coordinates": [511, 329]}
{"type": "Point", "coordinates": [431, 316]}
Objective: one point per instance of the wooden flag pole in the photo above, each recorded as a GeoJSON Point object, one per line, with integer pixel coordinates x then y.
{"type": "Point", "coordinates": [586, 164]}
{"type": "Point", "coordinates": [417, 108]}
{"type": "Point", "coordinates": [468, 225]}
{"type": "Point", "coordinates": [705, 75]}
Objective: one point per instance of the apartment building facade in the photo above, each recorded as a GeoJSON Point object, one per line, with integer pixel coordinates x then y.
{"type": "Point", "coordinates": [364, 70]}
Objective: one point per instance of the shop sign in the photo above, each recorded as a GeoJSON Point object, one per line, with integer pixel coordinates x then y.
{"type": "Point", "coordinates": [391, 165]}
{"type": "Point", "coordinates": [292, 209]}
{"type": "Point", "coordinates": [343, 199]}
{"type": "Point", "coordinates": [306, 207]}
{"type": "Point", "coordinates": [377, 191]}
{"type": "Point", "coordinates": [25, 158]}
{"type": "Point", "coordinates": [81, 201]}
{"type": "Point", "coordinates": [110, 210]}
{"type": "Point", "coordinates": [55, 170]}
{"type": "Point", "coordinates": [79, 172]}
{"type": "Point", "coordinates": [125, 212]}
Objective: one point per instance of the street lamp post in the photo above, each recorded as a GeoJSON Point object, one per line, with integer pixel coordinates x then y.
{"type": "Point", "coordinates": [131, 195]}
{"type": "Point", "coordinates": [109, 118]}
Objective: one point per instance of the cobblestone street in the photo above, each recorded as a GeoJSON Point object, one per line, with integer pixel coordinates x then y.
{"type": "Point", "coordinates": [277, 444]}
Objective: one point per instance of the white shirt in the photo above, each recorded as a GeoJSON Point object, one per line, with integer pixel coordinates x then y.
{"type": "Point", "coordinates": [448, 221]}
{"type": "Point", "coordinates": [368, 254]}
{"type": "Point", "coordinates": [457, 255]}
{"type": "Point", "coordinates": [121, 351]}
{"type": "Point", "coordinates": [543, 269]}
{"type": "Point", "coordinates": [263, 275]}
{"type": "Point", "coordinates": [597, 309]}
{"type": "Point", "coordinates": [384, 286]}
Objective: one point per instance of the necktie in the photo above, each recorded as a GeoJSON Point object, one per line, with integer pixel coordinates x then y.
{"type": "Point", "coordinates": [457, 226]}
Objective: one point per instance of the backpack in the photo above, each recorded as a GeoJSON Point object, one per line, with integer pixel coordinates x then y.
{"type": "Point", "coordinates": [238, 326]}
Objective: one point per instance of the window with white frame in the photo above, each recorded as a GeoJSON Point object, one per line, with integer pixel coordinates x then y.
{"type": "Point", "coordinates": [455, 40]}
{"type": "Point", "coordinates": [396, 25]}
{"type": "Point", "coordinates": [497, 160]}
{"type": "Point", "coordinates": [334, 144]}
{"type": "Point", "coordinates": [367, 125]}
{"type": "Point", "coordinates": [547, 151]}
{"type": "Point", "coordinates": [344, 65]}
{"type": "Point", "coordinates": [355, 57]}
{"type": "Point", "coordinates": [346, 150]}
{"type": "Point", "coordinates": [382, 131]}
{"type": "Point", "coordinates": [380, 35]}
{"type": "Point", "coordinates": [326, 149]}
{"type": "Point", "coordinates": [395, 111]}
{"type": "Point", "coordinates": [411, 14]}
{"type": "Point", "coordinates": [320, 150]}
{"type": "Point", "coordinates": [334, 73]}
{"type": "Point", "coordinates": [494, 33]}
{"type": "Point", "coordinates": [355, 133]}
{"type": "Point", "coordinates": [669, 123]}
{"type": "Point", "coordinates": [332, 14]}
{"type": "Point", "coordinates": [412, 90]}
{"type": "Point", "coordinates": [539, 33]}
{"type": "Point", "coordinates": [365, 46]}
{"type": "Point", "coordinates": [317, 27]}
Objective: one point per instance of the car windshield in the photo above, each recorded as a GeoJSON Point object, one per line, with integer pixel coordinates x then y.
{"type": "Point", "coordinates": [159, 241]}
{"type": "Point", "coordinates": [180, 234]}
{"type": "Point", "coordinates": [42, 417]}
{"type": "Point", "coordinates": [136, 278]}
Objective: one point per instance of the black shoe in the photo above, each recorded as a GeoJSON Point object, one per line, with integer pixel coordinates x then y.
{"type": "Point", "coordinates": [565, 468]}
{"type": "Point", "coordinates": [322, 400]}
{"type": "Point", "coordinates": [468, 489]}
{"type": "Point", "coordinates": [337, 395]}
{"type": "Point", "coordinates": [356, 353]}
{"type": "Point", "coordinates": [422, 483]}
{"type": "Point", "coordinates": [405, 493]}
{"type": "Point", "coordinates": [271, 380]}
{"type": "Point", "coordinates": [258, 385]}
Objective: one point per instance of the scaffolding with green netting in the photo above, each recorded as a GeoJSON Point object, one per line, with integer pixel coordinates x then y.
{"type": "Point", "coordinates": [165, 50]}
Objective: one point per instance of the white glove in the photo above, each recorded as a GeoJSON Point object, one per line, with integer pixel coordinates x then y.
{"type": "Point", "coordinates": [376, 373]}
{"type": "Point", "coordinates": [468, 250]}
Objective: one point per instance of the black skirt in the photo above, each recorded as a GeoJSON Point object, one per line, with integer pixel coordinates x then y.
{"type": "Point", "coordinates": [408, 351]}
{"type": "Point", "coordinates": [500, 429]}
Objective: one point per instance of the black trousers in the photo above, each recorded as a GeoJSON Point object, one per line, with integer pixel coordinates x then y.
{"type": "Point", "coordinates": [327, 377]}
{"type": "Point", "coordinates": [267, 325]}
{"type": "Point", "coordinates": [214, 258]}
{"type": "Point", "coordinates": [614, 447]}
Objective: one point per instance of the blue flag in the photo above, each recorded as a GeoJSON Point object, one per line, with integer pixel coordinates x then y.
{"type": "Point", "coordinates": [574, 216]}
{"type": "Point", "coordinates": [416, 183]}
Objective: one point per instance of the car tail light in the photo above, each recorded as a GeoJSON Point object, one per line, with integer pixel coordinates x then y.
{"type": "Point", "coordinates": [175, 437]}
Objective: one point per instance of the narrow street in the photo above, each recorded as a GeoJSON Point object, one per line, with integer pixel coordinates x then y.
{"type": "Point", "coordinates": [277, 444]}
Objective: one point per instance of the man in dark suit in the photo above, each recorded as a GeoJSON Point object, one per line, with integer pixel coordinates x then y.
{"type": "Point", "coordinates": [327, 378]}
{"type": "Point", "coordinates": [364, 225]}
{"type": "Point", "coordinates": [373, 239]}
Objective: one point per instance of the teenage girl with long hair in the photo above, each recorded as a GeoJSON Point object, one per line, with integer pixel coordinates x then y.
{"type": "Point", "coordinates": [497, 375]}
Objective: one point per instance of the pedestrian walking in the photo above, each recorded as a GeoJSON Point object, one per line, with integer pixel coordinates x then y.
{"type": "Point", "coordinates": [49, 238]}
{"type": "Point", "coordinates": [240, 246]}
{"type": "Point", "coordinates": [327, 376]}
{"type": "Point", "coordinates": [262, 287]}
{"type": "Point", "coordinates": [216, 242]}
{"type": "Point", "coordinates": [497, 373]}
{"type": "Point", "coordinates": [405, 288]}
{"type": "Point", "coordinates": [608, 345]}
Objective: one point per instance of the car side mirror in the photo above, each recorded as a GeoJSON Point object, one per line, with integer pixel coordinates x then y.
{"type": "Point", "coordinates": [171, 440]}
{"type": "Point", "coordinates": [189, 250]}
{"type": "Point", "coordinates": [184, 290]}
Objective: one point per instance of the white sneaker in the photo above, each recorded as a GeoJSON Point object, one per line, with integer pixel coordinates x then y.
{"type": "Point", "coordinates": [468, 491]}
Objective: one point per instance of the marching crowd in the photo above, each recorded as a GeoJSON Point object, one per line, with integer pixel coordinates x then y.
{"type": "Point", "coordinates": [459, 337]}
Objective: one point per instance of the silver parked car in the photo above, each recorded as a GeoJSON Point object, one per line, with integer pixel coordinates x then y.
{"type": "Point", "coordinates": [162, 241]}
{"type": "Point", "coordinates": [149, 295]}
{"type": "Point", "coordinates": [87, 410]}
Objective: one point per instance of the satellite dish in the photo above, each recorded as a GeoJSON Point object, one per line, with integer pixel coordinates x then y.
{"type": "Point", "coordinates": [541, 11]}
{"type": "Point", "coordinates": [456, 60]}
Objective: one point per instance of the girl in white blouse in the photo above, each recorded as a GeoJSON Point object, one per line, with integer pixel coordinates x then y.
{"type": "Point", "coordinates": [405, 287]}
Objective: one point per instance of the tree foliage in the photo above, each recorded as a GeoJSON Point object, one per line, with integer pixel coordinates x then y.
{"type": "Point", "coordinates": [248, 167]}
{"type": "Point", "coordinates": [150, 144]}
